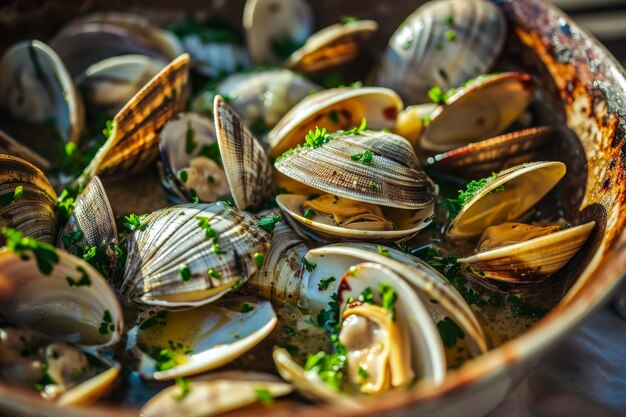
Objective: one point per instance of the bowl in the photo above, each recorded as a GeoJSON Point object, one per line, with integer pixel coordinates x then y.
{"type": "Point", "coordinates": [583, 87]}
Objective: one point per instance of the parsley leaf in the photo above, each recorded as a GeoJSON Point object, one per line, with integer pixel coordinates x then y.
{"type": "Point", "coordinates": [364, 157]}
{"type": "Point", "coordinates": [269, 223]}
{"type": "Point", "coordinates": [357, 130]}
{"type": "Point", "coordinates": [185, 273]}
{"type": "Point", "coordinates": [309, 266]}
{"type": "Point", "coordinates": [264, 396]}
{"type": "Point", "coordinates": [45, 253]}
{"type": "Point", "coordinates": [324, 283]}
{"type": "Point", "coordinates": [455, 205]}
{"type": "Point", "coordinates": [183, 388]}
{"type": "Point", "coordinates": [8, 198]}
{"type": "Point", "coordinates": [134, 222]}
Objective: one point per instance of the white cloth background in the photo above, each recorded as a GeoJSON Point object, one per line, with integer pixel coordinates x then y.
{"type": "Point", "coordinates": [584, 377]}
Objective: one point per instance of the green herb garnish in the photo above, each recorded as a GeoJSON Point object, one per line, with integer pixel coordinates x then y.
{"type": "Point", "coordinates": [190, 141]}
{"type": "Point", "coordinates": [389, 297]}
{"type": "Point", "coordinates": [309, 266]}
{"type": "Point", "coordinates": [83, 281]}
{"type": "Point", "coordinates": [329, 367]}
{"type": "Point", "coordinates": [269, 223]}
{"type": "Point", "coordinates": [264, 396]}
{"type": "Point", "coordinates": [214, 274]}
{"type": "Point", "coordinates": [134, 222]}
{"type": "Point", "coordinates": [259, 259]}
{"type": "Point", "coordinates": [455, 205]}
{"type": "Point", "coordinates": [324, 283]}
{"type": "Point", "coordinates": [450, 332]}
{"type": "Point", "coordinates": [45, 253]}
{"type": "Point", "coordinates": [383, 251]}
{"type": "Point", "coordinates": [367, 296]}
{"type": "Point", "coordinates": [185, 273]}
{"type": "Point", "coordinates": [204, 224]}
{"type": "Point", "coordinates": [246, 308]}
{"type": "Point", "coordinates": [106, 325]}
{"type": "Point", "coordinates": [363, 373]}
{"type": "Point", "coordinates": [8, 198]}
{"type": "Point", "coordinates": [183, 389]}
{"type": "Point", "coordinates": [357, 130]}
{"type": "Point", "coordinates": [364, 157]}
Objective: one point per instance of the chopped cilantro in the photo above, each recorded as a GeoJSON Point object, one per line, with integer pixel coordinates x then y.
{"type": "Point", "coordinates": [308, 213]}
{"type": "Point", "coordinates": [70, 239]}
{"type": "Point", "coordinates": [45, 379]}
{"type": "Point", "coordinates": [218, 250]}
{"type": "Point", "coordinates": [183, 175]}
{"type": "Point", "coordinates": [450, 35]}
{"type": "Point", "coordinates": [108, 128]}
{"type": "Point", "coordinates": [317, 138]}
{"type": "Point", "coordinates": [346, 20]}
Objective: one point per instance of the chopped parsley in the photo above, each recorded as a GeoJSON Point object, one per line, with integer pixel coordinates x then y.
{"type": "Point", "coordinates": [450, 332]}
{"type": "Point", "coordinates": [83, 281]}
{"type": "Point", "coordinates": [134, 222]}
{"type": "Point", "coordinates": [357, 130]}
{"type": "Point", "coordinates": [45, 379]}
{"type": "Point", "coordinates": [363, 373]}
{"type": "Point", "coordinates": [70, 239]}
{"type": "Point", "coordinates": [108, 128]}
{"type": "Point", "coordinates": [436, 95]}
{"type": "Point", "coordinates": [389, 297]}
{"type": "Point", "coordinates": [164, 359]}
{"type": "Point", "coordinates": [204, 224]}
{"type": "Point", "coordinates": [455, 205]}
{"type": "Point", "coordinates": [346, 20]}
{"type": "Point", "coordinates": [309, 266]}
{"type": "Point", "coordinates": [373, 185]}
{"type": "Point", "coordinates": [106, 325]}
{"type": "Point", "coordinates": [329, 367]}
{"type": "Point", "coordinates": [269, 223]}
{"type": "Point", "coordinates": [153, 320]}
{"type": "Point", "coordinates": [190, 141]}
{"type": "Point", "coordinates": [8, 198]}
{"type": "Point", "coordinates": [212, 152]}
{"type": "Point", "coordinates": [450, 35]}
{"type": "Point", "coordinates": [45, 253]}
{"type": "Point", "coordinates": [316, 138]}
{"type": "Point", "coordinates": [364, 157]}
{"type": "Point", "coordinates": [383, 251]}
{"type": "Point", "coordinates": [185, 273]}
{"type": "Point", "coordinates": [183, 175]}
{"type": "Point", "coordinates": [324, 283]}
{"type": "Point", "coordinates": [264, 396]}
{"type": "Point", "coordinates": [259, 259]}
{"type": "Point", "coordinates": [214, 274]}
{"type": "Point", "coordinates": [308, 213]}
{"type": "Point", "coordinates": [246, 308]}
{"type": "Point", "coordinates": [367, 296]}
{"type": "Point", "coordinates": [218, 250]}
{"type": "Point", "coordinates": [183, 389]}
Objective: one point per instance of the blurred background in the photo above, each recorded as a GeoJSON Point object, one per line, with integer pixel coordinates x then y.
{"type": "Point", "coordinates": [606, 19]}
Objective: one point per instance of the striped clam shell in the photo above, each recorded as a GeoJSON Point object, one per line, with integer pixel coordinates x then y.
{"type": "Point", "coordinates": [480, 159]}
{"type": "Point", "coordinates": [35, 87]}
{"type": "Point", "coordinates": [134, 139]}
{"type": "Point", "coordinates": [332, 46]}
{"type": "Point", "coordinates": [531, 261]}
{"type": "Point", "coordinates": [391, 179]}
{"type": "Point", "coordinates": [335, 109]}
{"type": "Point", "coordinates": [247, 167]}
{"type": "Point", "coordinates": [443, 43]}
{"type": "Point", "coordinates": [93, 217]}
{"type": "Point", "coordinates": [173, 240]}
{"type": "Point", "coordinates": [34, 213]}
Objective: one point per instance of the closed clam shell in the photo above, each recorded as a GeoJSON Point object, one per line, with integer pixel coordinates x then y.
{"type": "Point", "coordinates": [203, 338]}
{"type": "Point", "coordinates": [10, 146]}
{"type": "Point", "coordinates": [247, 167]}
{"type": "Point", "coordinates": [391, 179]}
{"type": "Point", "coordinates": [275, 27]}
{"type": "Point", "coordinates": [73, 302]}
{"type": "Point", "coordinates": [482, 108]}
{"type": "Point", "coordinates": [480, 159]}
{"type": "Point", "coordinates": [133, 143]}
{"type": "Point", "coordinates": [442, 43]}
{"type": "Point", "coordinates": [34, 211]}
{"type": "Point", "coordinates": [35, 87]}
{"type": "Point", "coordinates": [506, 197]}
{"type": "Point", "coordinates": [215, 394]}
{"type": "Point", "coordinates": [109, 84]}
{"type": "Point", "coordinates": [89, 39]}
{"type": "Point", "coordinates": [531, 261]}
{"type": "Point", "coordinates": [93, 217]}
{"type": "Point", "coordinates": [173, 242]}
{"type": "Point", "coordinates": [260, 97]}
{"type": "Point", "coordinates": [332, 46]}
{"type": "Point", "coordinates": [335, 109]}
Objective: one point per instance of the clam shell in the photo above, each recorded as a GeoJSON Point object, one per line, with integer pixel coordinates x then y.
{"type": "Point", "coordinates": [482, 108]}
{"type": "Point", "coordinates": [407, 223]}
{"type": "Point", "coordinates": [89, 39]}
{"type": "Point", "coordinates": [274, 25]}
{"type": "Point", "coordinates": [34, 213]}
{"type": "Point", "coordinates": [10, 146]}
{"type": "Point", "coordinates": [332, 46]}
{"type": "Point", "coordinates": [391, 179]}
{"type": "Point", "coordinates": [480, 159]}
{"type": "Point", "coordinates": [215, 394]}
{"type": "Point", "coordinates": [216, 334]}
{"type": "Point", "coordinates": [93, 217]}
{"type": "Point", "coordinates": [335, 109]}
{"type": "Point", "coordinates": [108, 85]}
{"type": "Point", "coordinates": [247, 167]}
{"type": "Point", "coordinates": [173, 239]}
{"type": "Point", "coordinates": [133, 141]}
{"type": "Point", "coordinates": [36, 87]}
{"type": "Point", "coordinates": [529, 262]}
{"type": "Point", "coordinates": [175, 155]}
{"type": "Point", "coordinates": [411, 121]}
{"type": "Point", "coordinates": [73, 303]}
{"type": "Point", "coordinates": [261, 97]}
{"type": "Point", "coordinates": [442, 43]}
{"type": "Point", "coordinates": [524, 186]}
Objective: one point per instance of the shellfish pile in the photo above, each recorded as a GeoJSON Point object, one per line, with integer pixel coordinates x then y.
{"type": "Point", "coordinates": [316, 213]}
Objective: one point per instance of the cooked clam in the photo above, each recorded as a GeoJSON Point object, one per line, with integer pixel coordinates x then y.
{"type": "Point", "coordinates": [27, 200]}
{"type": "Point", "coordinates": [35, 87]}
{"type": "Point", "coordinates": [175, 344]}
{"type": "Point", "coordinates": [59, 294]}
{"type": "Point", "coordinates": [412, 120]}
{"type": "Point", "coordinates": [486, 105]}
{"type": "Point", "coordinates": [442, 43]}
{"type": "Point", "coordinates": [276, 28]}
{"type": "Point", "coordinates": [215, 394]}
{"type": "Point", "coordinates": [340, 108]}
{"type": "Point", "coordinates": [192, 254]}
{"type": "Point", "coordinates": [374, 190]}
{"type": "Point", "coordinates": [61, 372]}
{"type": "Point", "coordinates": [132, 143]}
{"type": "Point", "coordinates": [332, 46]}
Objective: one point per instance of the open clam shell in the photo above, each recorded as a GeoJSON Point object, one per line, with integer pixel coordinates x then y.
{"type": "Point", "coordinates": [92, 223]}
{"type": "Point", "coordinates": [36, 87]}
{"type": "Point", "coordinates": [203, 338]}
{"type": "Point", "coordinates": [192, 254]}
{"type": "Point", "coordinates": [192, 165]}
{"type": "Point", "coordinates": [260, 97]}
{"type": "Point", "coordinates": [28, 356]}
{"type": "Point", "coordinates": [132, 144]}
{"type": "Point", "coordinates": [275, 28]}
{"type": "Point", "coordinates": [506, 197]}
{"type": "Point", "coordinates": [215, 394]}
{"type": "Point", "coordinates": [480, 159]}
{"type": "Point", "coordinates": [108, 85]}
{"type": "Point", "coordinates": [247, 167]}
{"type": "Point", "coordinates": [411, 121]}
{"type": "Point", "coordinates": [482, 108]}
{"type": "Point", "coordinates": [27, 200]}
{"type": "Point", "coordinates": [10, 146]}
{"type": "Point", "coordinates": [89, 39]}
{"type": "Point", "coordinates": [335, 109]}
{"type": "Point", "coordinates": [442, 43]}
{"type": "Point", "coordinates": [332, 46]}
{"type": "Point", "coordinates": [71, 302]}
{"type": "Point", "coordinates": [530, 261]}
